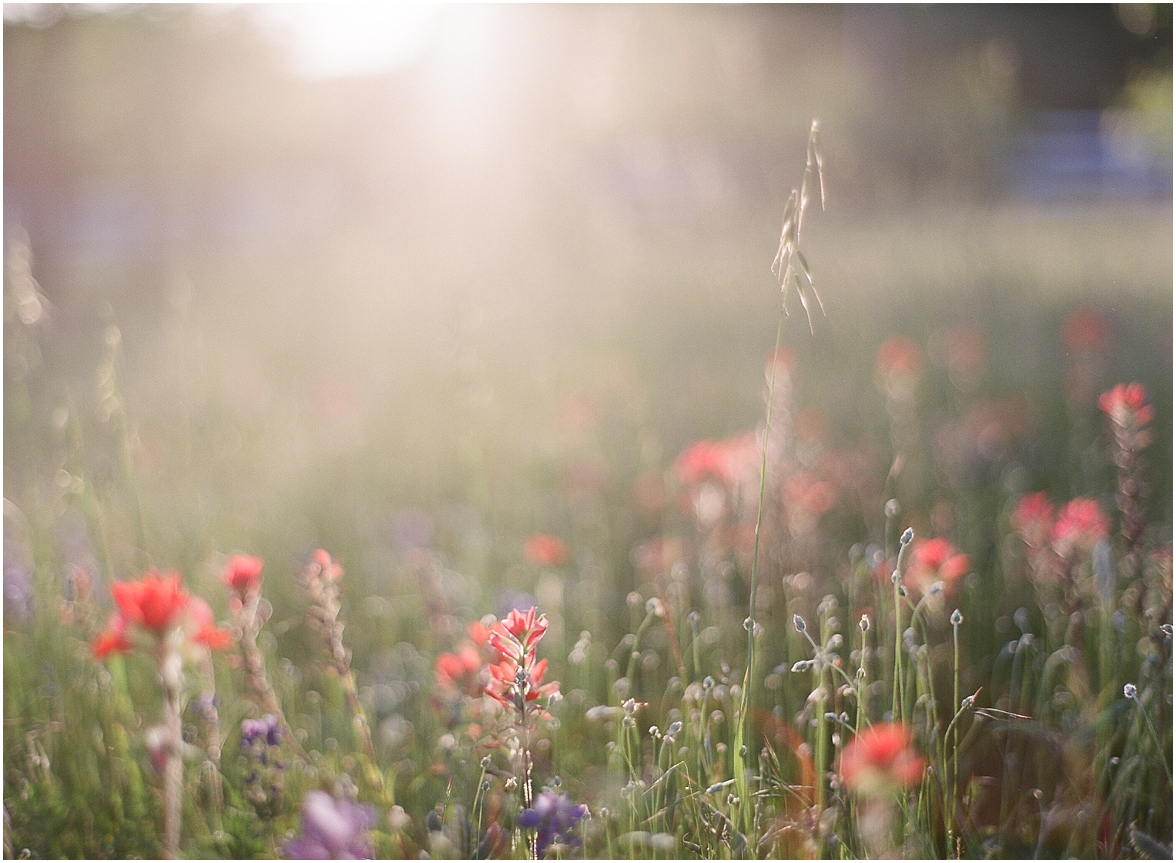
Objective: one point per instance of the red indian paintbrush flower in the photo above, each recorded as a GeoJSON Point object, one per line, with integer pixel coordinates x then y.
{"type": "Point", "coordinates": [154, 602]}
{"type": "Point", "coordinates": [1080, 526]}
{"type": "Point", "coordinates": [934, 560]}
{"type": "Point", "coordinates": [519, 672]}
{"type": "Point", "coordinates": [506, 684]}
{"type": "Point", "coordinates": [1126, 404]}
{"type": "Point", "coordinates": [543, 549]}
{"type": "Point", "coordinates": [1033, 519]}
{"type": "Point", "coordinates": [242, 573]}
{"type": "Point", "coordinates": [158, 604]}
{"type": "Point", "coordinates": [205, 630]}
{"type": "Point", "coordinates": [881, 757]}
{"type": "Point", "coordinates": [113, 639]}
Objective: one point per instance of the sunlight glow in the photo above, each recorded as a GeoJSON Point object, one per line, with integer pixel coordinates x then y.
{"type": "Point", "coordinates": [333, 40]}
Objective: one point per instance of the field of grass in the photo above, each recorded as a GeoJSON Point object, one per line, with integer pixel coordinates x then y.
{"type": "Point", "coordinates": [898, 586]}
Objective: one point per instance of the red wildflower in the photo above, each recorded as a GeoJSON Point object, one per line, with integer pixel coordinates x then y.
{"type": "Point", "coordinates": [113, 639]}
{"type": "Point", "coordinates": [158, 604]}
{"type": "Point", "coordinates": [1033, 519]}
{"type": "Point", "coordinates": [881, 757]}
{"type": "Point", "coordinates": [1126, 405]}
{"type": "Point", "coordinates": [810, 493]}
{"type": "Point", "coordinates": [1080, 526]}
{"type": "Point", "coordinates": [701, 461]}
{"type": "Point", "coordinates": [456, 669]}
{"type": "Point", "coordinates": [504, 683]}
{"type": "Point", "coordinates": [726, 461]}
{"type": "Point", "coordinates": [518, 634]}
{"type": "Point", "coordinates": [543, 549]}
{"type": "Point", "coordinates": [934, 560]}
{"type": "Point", "coordinates": [243, 574]}
{"type": "Point", "coordinates": [155, 601]}
{"type": "Point", "coordinates": [517, 678]}
{"type": "Point", "coordinates": [204, 625]}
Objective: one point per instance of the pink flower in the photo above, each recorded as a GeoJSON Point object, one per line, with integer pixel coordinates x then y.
{"type": "Point", "coordinates": [205, 630]}
{"type": "Point", "coordinates": [517, 677]}
{"type": "Point", "coordinates": [242, 573]}
{"type": "Point", "coordinates": [518, 634]}
{"type": "Point", "coordinates": [328, 569]}
{"type": "Point", "coordinates": [458, 670]}
{"type": "Point", "coordinates": [1080, 526]}
{"type": "Point", "coordinates": [810, 493]}
{"type": "Point", "coordinates": [881, 757]}
{"type": "Point", "coordinates": [1126, 405]}
{"type": "Point", "coordinates": [545, 550]}
{"type": "Point", "coordinates": [934, 560]}
{"type": "Point", "coordinates": [898, 356]}
{"type": "Point", "coordinates": [726, 461]}
{"type": "Point", "coordinates": [1033, 519]}
{"type": "Point", "coordinates": [701, 461]}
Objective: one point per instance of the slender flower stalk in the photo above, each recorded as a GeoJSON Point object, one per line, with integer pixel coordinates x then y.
{"type": "Point", "coordinates": [243, 575]}
{"type": "Point", "coordinates": [517, 683]}
{"type": "Point", "coordinates": [956, 620]}
{"type": "Point", "coordinates": [157, 614]}
{"type": "Point", "coordinates": [322, 579]}
{"type": "Point", "coordinates": [1129, 414]}
{"type": "Point", "coordinates": [898, 693]}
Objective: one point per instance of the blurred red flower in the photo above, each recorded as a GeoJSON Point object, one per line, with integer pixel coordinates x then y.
{"type": "Point", "coordinates": [1126, 405]}
{"type": "Point", "coordinates": [899, 356]}
{"type": "Point", "coordinates": [934, 560]}
{"type": "Point", "coordinates": [155, 601]}
{"type": "Point", "coordinates": [881, 757]}
{"type": "Point", "coordinates": [1080, 526]}
{"type": "Point", "coordinates": [810, 493]}
{"type": "Point", "coordinates": [504, 682]}
{"type": "Point", "coordinates": [459, 670]}
{"type": "Point", "coordinates": [113, 639]}
{"type": "Point", "coordinates": [701, 461]}
{"type": "Point", "coordinates": [726, 461]}
{"type": "Point", "coordinates": [242, 573]}
{"type": "Point", "coordinates": [329, 570]}
{"type": "Point", "coordinates": [543, 549]}
{"type": "Point", "coordinates": [1033, 519]}
{"type": "Point", "coordinates": [158, 604]}
{"type": "Point", "coordinates": [204, 625]}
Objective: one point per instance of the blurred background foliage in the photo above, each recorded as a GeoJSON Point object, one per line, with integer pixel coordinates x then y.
{"type": "Point", "coordinates": [477, 294]}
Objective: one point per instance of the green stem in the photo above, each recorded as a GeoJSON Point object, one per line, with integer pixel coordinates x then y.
{"type": "Point", "coordinates": [1154, 736]}
{"type": "Point", "coordinates": [898, 691]}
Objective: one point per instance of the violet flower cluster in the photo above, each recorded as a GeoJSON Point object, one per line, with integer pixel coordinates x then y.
{"type": "Point", "coordinates": [264, 773]}
{"type": "Point", "coordinates": [553, 816]}
{"type": "Point", "coordinates": [332, 830]}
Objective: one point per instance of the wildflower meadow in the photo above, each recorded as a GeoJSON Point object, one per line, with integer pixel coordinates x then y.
{"type": "Point", "coordinates": [889, 577]}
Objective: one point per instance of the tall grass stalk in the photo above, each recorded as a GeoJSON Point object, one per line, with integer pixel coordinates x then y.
{"type": "Point", "coordinates": [788, 264]}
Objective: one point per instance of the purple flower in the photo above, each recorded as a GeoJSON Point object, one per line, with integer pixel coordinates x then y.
{"type": "Point", "coordinates": [332, 830]}
{"type": "Point", "coordinates": [554, 817]}
{"type": "Point", "coordinates": [269, 729]}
